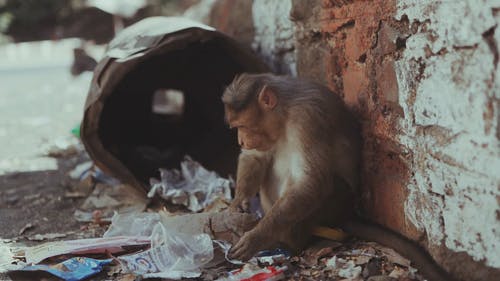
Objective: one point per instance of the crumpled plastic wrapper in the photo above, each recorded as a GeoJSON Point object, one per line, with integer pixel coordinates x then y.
{"type": "Point", "coordinates": [193, 186]}
{"type": "Point", "coordinates": [228, 226]}
{"type": "Point", "coordinates": [172, 255]}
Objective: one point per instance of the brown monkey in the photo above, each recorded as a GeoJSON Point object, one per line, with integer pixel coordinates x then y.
{"type": "Point", "coordinates": [301, 152]}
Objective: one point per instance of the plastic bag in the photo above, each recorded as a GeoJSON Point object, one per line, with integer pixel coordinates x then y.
{"type": "Point", "coordinates": [74, 269]}
{"type": "Point", "coordinates": [172, 255]}
{"type": "Point", "coordinates": [193, 186]}
{"type": "Point", "coordinates": [132, 224]}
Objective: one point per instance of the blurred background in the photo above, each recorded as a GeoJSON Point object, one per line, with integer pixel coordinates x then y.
{"type": "Point", "coordinates": [48, 49]}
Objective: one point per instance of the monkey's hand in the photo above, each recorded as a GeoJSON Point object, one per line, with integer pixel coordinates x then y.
{"type": "Point", "coordinates": [240, 205]}
{"type": "Point", "coordinates": [249, 244]}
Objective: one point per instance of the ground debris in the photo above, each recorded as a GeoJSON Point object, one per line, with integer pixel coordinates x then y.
{"type": "Point", "coordinates": [351, 260]}
{"type": "Point", "coordinates": [95, 202]}
{"type": "Point", "coordinates": [26, 227]}
{"type": "Point", "coordinates": [48, 236]}
{"type": "Point", "coordinates": [106, 199]}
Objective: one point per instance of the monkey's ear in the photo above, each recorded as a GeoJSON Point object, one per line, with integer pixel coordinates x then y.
{"type": "Point", "coordinates": [267, 98]}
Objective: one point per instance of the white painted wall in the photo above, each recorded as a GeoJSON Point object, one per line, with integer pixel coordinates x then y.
{"type": "Point", "coordinates": [274, 34]}
{"type": "Point", "coordinates": [455, 191]}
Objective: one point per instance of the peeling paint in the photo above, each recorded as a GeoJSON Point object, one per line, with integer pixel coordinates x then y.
{"type": "Point", "coordinates": [453, 193]}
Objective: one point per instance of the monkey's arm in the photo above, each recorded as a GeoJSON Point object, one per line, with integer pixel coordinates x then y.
{"type": "Point", "coordinates": [287, 217]}
{"type": "Point", "coordinates": [252, 167]}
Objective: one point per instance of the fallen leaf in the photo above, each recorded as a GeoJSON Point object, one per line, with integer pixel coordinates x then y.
{"type": "Point", "coordinates": [361, 259]}
{"type": "Point", "coordinates": [399, 273]}
{"type": "Point", "coordinates": [392, 255]}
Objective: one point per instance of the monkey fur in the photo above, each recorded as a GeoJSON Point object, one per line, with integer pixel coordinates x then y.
{"type": "Point", "coordinates": [301, 151]}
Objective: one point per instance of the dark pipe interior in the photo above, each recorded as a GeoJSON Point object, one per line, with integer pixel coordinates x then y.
{"type": "Point", "coordinates": [145, 141]}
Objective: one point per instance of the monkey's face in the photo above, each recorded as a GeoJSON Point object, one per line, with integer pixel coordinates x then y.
{"type": "Point", "coordinates": [252, 130]}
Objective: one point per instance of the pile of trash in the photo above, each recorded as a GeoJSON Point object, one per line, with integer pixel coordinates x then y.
{"type": "Point", "coordinates": [191, 243]}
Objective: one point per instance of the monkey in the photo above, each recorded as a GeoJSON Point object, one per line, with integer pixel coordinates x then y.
{"type": "Point", "coordinates": [301, 152]}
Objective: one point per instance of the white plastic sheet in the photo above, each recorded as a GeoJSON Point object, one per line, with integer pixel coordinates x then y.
{"type": "Point", "coordinates": [193, 186]}
{"type": "Point", "coordinates": [172, 255]}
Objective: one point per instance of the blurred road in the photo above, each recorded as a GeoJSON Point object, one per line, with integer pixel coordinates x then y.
{"type": "Point", "coordinates": [40, 102]}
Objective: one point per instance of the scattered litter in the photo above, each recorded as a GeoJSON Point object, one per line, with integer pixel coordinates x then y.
{"type": "Point", "coordinates": [101, 177]}
{"type": "Point", "coordinates": [87, 170]}
{"type": "Point", "coordinates": [361, 259]}
{"type": "Point", "coordinates": [81, 170]}
{"type": "Point", "coordinates": [107, 199]}
{"type": "Point", "coordinates": [275, 252]}
{"type": "Point", "coordinates": [7, 258]}
{"type": "Point", "coordinates": [350, 270]}
{"type": "Point", "coordinates": [48, 236]}
{"type": "Point", "coordinates": [73, 269]}
{"type": "Point", "coordinates": [218, 205]}
{"type": "Point", "coordinates": [228, 226]}
{"type": "Point", "coordinates": [269, 257]}
{"type": "Point", "coordinates": [63, 146]}
{"type": "Point", "coordinates": [252, 272]}
{"type": "Point", "coordinates": [82, 216]}
{"type": "Point", "coordinates": [111, 245]}
{"type": "Point", "coordinates": [193, 186]}
{"type": "Point", "coordinates": [270, 260]}
{"type": "Point", "coordinates": [76, 131]}
{"type": "Point", "coordinates": [393, 256]}
{"type": "Point", "coordinates": [346, 269]}
{"type": "Point", "coordinates": [74, 194]}
{"type": "Point", "coordinates": [398, 273]}
{"type": "Point", "coordinates": [132, 224]}
{"type": "Point", "coordinates": [32, 197]}
{"type": "Point", "coordinates": [225, 247]}
{"type": "Point", "coordinates": [26, 227]}
{"type": "Point", "coordinates": [172, 255]}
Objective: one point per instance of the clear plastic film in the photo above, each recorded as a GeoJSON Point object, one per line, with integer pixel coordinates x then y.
{"type": "Point", "coordinates": [193, 186]}
{"type": "Point", "coordinates": [172, 255]}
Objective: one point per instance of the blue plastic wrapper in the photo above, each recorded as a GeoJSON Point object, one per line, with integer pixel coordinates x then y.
{"type": "Point", "coordinates": [74, 269]}
{"type": "Point", "coordinates": [275, 252]}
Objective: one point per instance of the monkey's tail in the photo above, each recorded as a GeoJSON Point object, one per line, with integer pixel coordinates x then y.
{"type": "Point", "coordinates": [421, 259]}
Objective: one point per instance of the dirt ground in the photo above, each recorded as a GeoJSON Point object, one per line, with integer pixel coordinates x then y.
{"type": "Point", "coordinates": [34, 203]}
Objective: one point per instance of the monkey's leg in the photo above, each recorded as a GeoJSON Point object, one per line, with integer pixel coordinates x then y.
{"type": "Point", "coordinates": [287, 222]}
{"type": "Point", "coordinates": [252, 168]}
